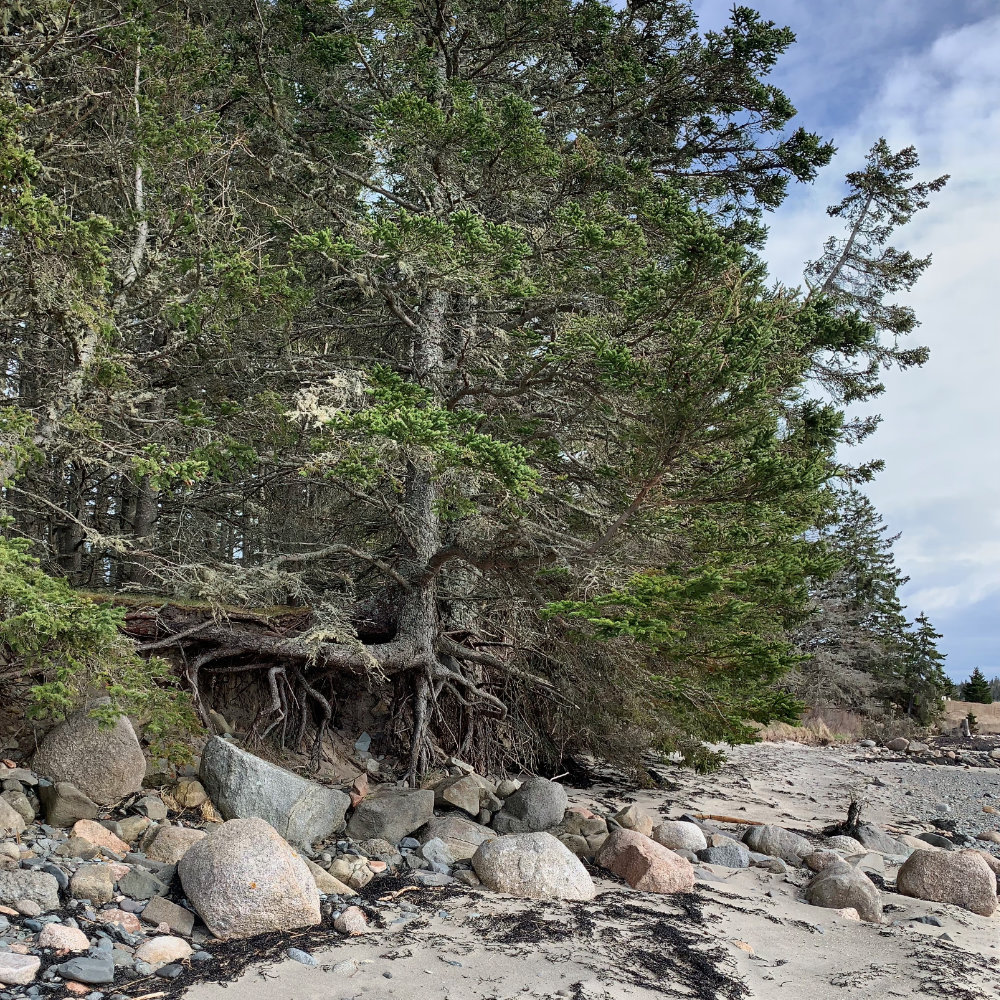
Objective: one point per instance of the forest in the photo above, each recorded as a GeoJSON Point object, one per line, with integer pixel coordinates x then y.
{"type": "Point", "coordinates": [422, 356]}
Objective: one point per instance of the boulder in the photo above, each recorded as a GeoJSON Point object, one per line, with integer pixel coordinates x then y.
{"type": "Point", "coordinates": [819, 861]}
{"type": "Point", "coordinates": [93, 882]}
{"type": "Point", "coordinates": [162, 950]}
{"type": "Point", "coordinates": [391, 814]}
{"type": "Point", "coordinates": [128, 922]}
{"type": "Point", "coordinates": [189, 793]}
{"type": "Point", "coordinates": [463, 792]}
{"type": "Point", "coordinates": [171, 843]}
{"type": "Point", "coordinates": [634, 817]}
{"type": "Point", "coordinates": [141, 884]}
{"type": "Point", "coordinates": [244, 786]}
{"type": "Point", "coordinates": [21, 883]}
{"type": "Point", "coordinates": [989, 836]}
{"type": "Point", "coordinates": [99, 836]}
{"type": "Point", "coordinates": [678, 835]}
{"type": "Point", "coordinates": [875, 840]}
{"type": "Point", "coordinates": [244, 879]}
{"type": "Point", "coordinates": [133, 827]}
{"type": "Point", "coordinates": [962, 878]}
{"type": "Point", "coordinates": [104, 764]}
{"type": "Point", "coordinates": [645, 864]}
{"type": "Point", "coordinates": [532, 866]}
{"type": "Point", "coordinates": [11, 821]}
{"type": "Point", "coordinates": [537, 805]}
{"type": "Point", "coordinates": [19, 802]}
{"type": "Point", "coordinates": [351, 922]}
{"type": "Point", "coordinates": [777, 842]}
{"type": "Point", "coordinates": [326, 883]}
{"type": "Point", "coordinates": [461, 836]}
{"type": "Point", "coordinates": [846, 844]}
{"type": "Point", "coordinates": [936, 840]}
{"type": "Point", "coordinates": [898, 744]}
{"type": "Point", "coordinates": [63, 938]}
{"type": "Point", "coordinates": [841, 886]}
{"type": "Point", "coordinates": [731, 854]}
{"type": "Point", "coordinates": [18, 970]}
{"type": "Point", "coordinates": [64, 804]}
{"type": "Point", "coordinates": [162, 911]}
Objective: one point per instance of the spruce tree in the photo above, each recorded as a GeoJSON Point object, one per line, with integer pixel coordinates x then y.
{"type": "Point", "coordinates": [977, 689]}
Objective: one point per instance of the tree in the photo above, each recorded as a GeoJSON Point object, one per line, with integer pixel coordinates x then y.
{"type": "Point", "coordinates": [977, 689]}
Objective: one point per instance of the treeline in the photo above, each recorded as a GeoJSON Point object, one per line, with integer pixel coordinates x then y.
{"type": "Point", "coordinates": [446, 324]}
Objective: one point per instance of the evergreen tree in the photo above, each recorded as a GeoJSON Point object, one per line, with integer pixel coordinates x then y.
{"type": "Point", "coordinates": [977, 689]}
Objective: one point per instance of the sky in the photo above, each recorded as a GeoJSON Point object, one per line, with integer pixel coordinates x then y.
{"type": "Point", "coordinates": [923, 73]}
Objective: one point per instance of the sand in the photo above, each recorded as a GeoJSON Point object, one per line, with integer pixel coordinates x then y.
{"type": "Point", "coordinates": [741, 934]}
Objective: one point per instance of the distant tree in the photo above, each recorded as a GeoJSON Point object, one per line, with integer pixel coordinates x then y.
{"type": "Point", "coordinates": [995, 688]}
{"type": "Point", "coordinates": [977, 689]}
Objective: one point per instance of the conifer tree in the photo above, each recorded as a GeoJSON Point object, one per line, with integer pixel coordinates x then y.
{"type": "Point", "coordinates": [977, 689]}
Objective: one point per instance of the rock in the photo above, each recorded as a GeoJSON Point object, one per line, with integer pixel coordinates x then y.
{"type": "Point", "coordinates": [462, 837]}
{"type": "Point", "coordinates": [645, 864]}
{"type": "Point", "coordinates": [537, 805]}
{"type": "Point", "coordinates": [962, 878]}
{"type": "Point", "coordinates": [77, 847]}
{"type": "Point", "coordinates": [532, 866]}
{"type": "Point", "coordinates": [133, 827]}
{"type": "Point", "coordinates": [436, 852]}
{"type": "Point", "coordinates": [352, 870]}
{"type": "Point", "coordinates": [936, 840]}
{"type": "Point", "coordinates": [915, 748]}
{"type": "Point", "coordinates": [189, 793]}
{"type": "Point", "coordinates": [18, 970]}
{"type": "Point", "coordinates": [63, 938]}
{"type": "Point", "coordinates": [326, 883]}
{"type": "Point", "coordinates": [152, 807]}
{"type": "Point", "coordinates": [243, 786]}
{"type": "Point", "coordinates": [12, 822]}
{"type": "Point", "coordinates": [100, 836]}
{"type": "Point", "coordinates": [868, 744]}
{"type": "Point", "coordinates": [381, 848]}
{"type": "Point", "coordinates": [577, 844]}
{"type": "Point", "coordinates": [391, 814]}
{"type": "Point", "coordinates": [104, 764]}
{"type": "Point", "coordinates": [914, 844]}
{"type": "Point", "coordinates": [898, 744]}
{"type": "Point", "coordinates": [128, 922]}
{"type": "Point", "coordinates": [846, 844]}
{"type": "Point", "coordinates": [730, 855]}
{"type": "Point", "coordinates": [19, 802]}
{"type": "Point", "coordinates": [64, 804]}
{"type": "Point", "coordinates": [28, 908]}
{"type": "Point", "coordinates": [244, 879]}
{"type": "Point", "coordinates": [634, 817]}
{"type": "Point", "coordinates": [995, 753]}
{"type": "Point", "coordinates": [990, 836]}
{"type": "Point", "coordinates": [141, 884]}
{"type": "Point", "coordinates": [23, 884]}
{"type": "Point", "coordinates": [677, 834]}
{"type": "Point", "coordinates": [819, 861]}
{"type": "Point", "coordinates": [507, 787]}
{"type": "Point", "coordinates": [841, 886]}
{"type": "Point", "coordinates": [462, 792]}
{"type": "Point", "coordinates": [352, 921]}
{"type": "Point", "coordinates": [303, 957]}
{"type": "Point", "coordinates": [171, 843]}
{"type": "Point", "coordinates": [162, 950]}
{"type": "Point", "coordinates": [10, 851]}
{"type": "Point", "coordinates": [875, 840]}
{"type": "Point", "coordinates": [777, 842]}
{"type": "Point", "coordinates": [91, 969]}
{"type": "Point", "coordinates": [162, 911]}
{"type": "Point", "coordinates": [93, 882]}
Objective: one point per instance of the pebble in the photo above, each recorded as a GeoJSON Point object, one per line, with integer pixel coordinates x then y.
{"type": "Point", "coordinates": [297, 955]}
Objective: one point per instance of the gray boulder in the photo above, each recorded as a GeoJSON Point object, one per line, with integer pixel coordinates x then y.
{"type": "Point", "coordinates": [243, 786]}
{"type": "Point", "coordinates": [732, 854]}
{"type": "Point", "coordinates": [391, 814]}
{"type": "Point", "coordinates": [678, 835]}
{"type": "Point", "coordinates": [537, 805]}
{"type": "Point", "coordinates": [462, 837]}
{"type": "Point", "coordinates": [840, 885]}
{"type": "Point", "coordinates": [243, 879]}
{"type": "Point", "coordinates": [962, 878]}
{"type": "Point", "coordinates": [847, 844]}
{"type": "Point", "coordinates": [778, 843]}
{"type": "Point", "coordinates": [875, 840]}
{"type": "Point", "coordinates": [39, 887]}
{"type": "Point", "coordinates": [65, 804]}
{"type": "Point", "coordinates": [104, 764]}
{"type": "Point", "coordinates": [463, 792]}
{"type": "Point", "coordinates": [533, 866]}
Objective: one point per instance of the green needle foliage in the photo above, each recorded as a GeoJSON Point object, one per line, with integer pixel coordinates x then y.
{"type": "Point", "coordinates": [977, 689]}
{"type": "Point", "coordinates": [446, 320]}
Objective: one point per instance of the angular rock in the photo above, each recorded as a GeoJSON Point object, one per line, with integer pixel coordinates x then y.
{"type": "Point", "coordinates": [677, 834]}
{"type": "Point", "coordinates": [537, 805]}
{"type": "Point", "coordinates": [162, 950]}
{"type": "Point", "coordinates": [23, 884]}
{"type": "Point", "coordinates": [19, 802]}
{"type": "Point", "coordinates": [128, 922]}
{"type": "Point", "coordinates": [875, 840]}
{"type": "Point", "coordinates": [462, 792]}
{"type": "Point", "coordinates": [63, 938]}
{"type": "Point", "coordinates": [243, 786]}
{"type": "Point", "coordinates": [142, 884]}
{"type": "Point", "coordinates": [93, 882]}
{"type": "Point", "coordinates": [171, 843]}
{"type": "Point", "coordinates": [962, 878]}
{"type": "Point", "coordinates": [152, 807]}
{"type": "Point", "coordinates": [355, 872]}
{"type": "Point", "coordinates": [100, 836]}
{"type": "Point", "coordinates": [94, 970]}
{"type": "Point", "coordinates": [392, 814]}
{"type": "Point", "coordinates": [64, 804]}
{"type": "Point", "coordinates": [18, 970]}
{"type": "Point", "coordinates": [104, 764]}
{"type": "Point", "coordinates": [133, 827]}
{"type": "Point", "coordinates": [326, 883]}
{"type": "Point", "coordinates": [842, 886]}
{"type": "Point", "coordinates": [634, 817]}
{"type": "Point", "coordinates": [729, 855]}
{"type": "Point", "coordinates": [11, 821]}
{"type": "Point", "coordinates": [77, 847]}
{"type": "Point", "coordinates": [461, 836]}
{"type": "Point", "coordinates": [162, 911]}
{"type": "Point", "coordinates": [645, 864]}
{"type": "Point", "coordinates": [777, 842]}
{"type": "Point", "coordinates": [507, 787]}
{"type": "Point", "coordinates": [819, 861]}
{"type": "Point", "coordinates": [244, 879]}
{"type": "Point", "coordinates": [352, 921]}
{"type": "Point", "coordinates": [532, 866]}
{"type": "Point", "coordinates": [189, 793]}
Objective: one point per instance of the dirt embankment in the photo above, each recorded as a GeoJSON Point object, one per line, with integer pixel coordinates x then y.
{"type": "Point", "coordinates": [987, 716]}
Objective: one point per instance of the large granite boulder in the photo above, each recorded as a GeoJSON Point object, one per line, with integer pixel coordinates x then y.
{"type": "Point", "coordinates": [532, 866]}
{"type": "Point", "coordinates": [243, 786]}
{"type": "Point", "coordinates": [244, 879]}
{"type": "Point", "coordinates": [962, 878]}
{"type": "Point", "coordinates": [537, 805]}
{"type": "Point", "coordinates": [391, 814]}
{"type": "Point", "coordinates": [840, 885]}
{"type": "Point", "coordinates": [680, 836]}
{"type": "Point", "coordinates": [777, 842]}
{"type": "Point", "coordinates": [65, 804]}
{"type": "Point", "coordinates": [40, 887]}
{"type": "Point", "coordinates": [106, 764]}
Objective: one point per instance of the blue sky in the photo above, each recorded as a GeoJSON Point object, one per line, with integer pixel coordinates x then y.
{"type": "Point", "coordinates": [927, 73]}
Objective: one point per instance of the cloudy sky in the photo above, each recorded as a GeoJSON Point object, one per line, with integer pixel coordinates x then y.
{"type": "Point", "coordinates": [927, 73]}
